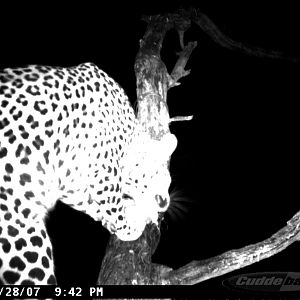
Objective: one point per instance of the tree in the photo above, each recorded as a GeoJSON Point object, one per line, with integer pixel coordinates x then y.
{"type": "Point", "coordinates": [130, 262]}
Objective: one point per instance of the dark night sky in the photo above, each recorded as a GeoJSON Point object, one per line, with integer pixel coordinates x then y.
{"type": "Point", "coordinates": [236, 160]}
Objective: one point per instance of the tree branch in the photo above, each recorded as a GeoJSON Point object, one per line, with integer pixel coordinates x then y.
{"type": "Point", "coordinates": [178, 70]}
{"type": "Point", "coordinates": [130, 262]}
{"type": "Point", "coordinates": [223, 40]}
{"type": "Point", "coordinates": [198, 271]}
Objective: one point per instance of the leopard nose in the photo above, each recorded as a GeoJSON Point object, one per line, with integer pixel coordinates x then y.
{"type": "Point", "coordinates": [162, 202]}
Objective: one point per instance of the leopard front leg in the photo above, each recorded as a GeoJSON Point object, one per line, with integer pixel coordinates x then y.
{"type": "Point", "coordinates": [25, 249]}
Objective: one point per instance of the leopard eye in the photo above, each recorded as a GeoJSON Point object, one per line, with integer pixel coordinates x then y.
{"type": "Point", "coordinates": [126, 196]}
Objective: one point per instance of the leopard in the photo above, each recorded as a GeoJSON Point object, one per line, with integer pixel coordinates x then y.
{"type": "Point", "coordinates": [70, 134]}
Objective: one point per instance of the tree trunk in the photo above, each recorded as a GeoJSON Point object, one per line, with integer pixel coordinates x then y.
{"type": "Point", "coordinates": [129, 263]}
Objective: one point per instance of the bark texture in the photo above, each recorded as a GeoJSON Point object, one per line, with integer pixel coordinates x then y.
{"type": "Point", "coordinates": [129, 263]}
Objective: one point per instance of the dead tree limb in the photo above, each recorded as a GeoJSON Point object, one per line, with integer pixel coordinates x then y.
{"type": "Point", "coordinates": [223, 40]}
{"type": "Point", "coordinates": [198, 271]}
{"type": "Point", "coordinates": [130, 262]}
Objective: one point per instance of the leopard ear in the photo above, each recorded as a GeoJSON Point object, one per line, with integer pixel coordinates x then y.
{"type": "Point", "coordinates": [172, 142]}
{"type": "Point", "coordinates": [169, 142]}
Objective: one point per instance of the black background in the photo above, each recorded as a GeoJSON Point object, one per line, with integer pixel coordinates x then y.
{"type": "Point", "coordinates": [236, 160]}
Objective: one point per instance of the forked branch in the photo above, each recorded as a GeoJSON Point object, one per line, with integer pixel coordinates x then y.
{"type": "Point", "coordinates": [130, 262]}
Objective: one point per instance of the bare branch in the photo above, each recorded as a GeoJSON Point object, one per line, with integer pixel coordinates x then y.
{"type": "Point", "coordinates": [198, 271]}
{"type": "Point", "coordinates": [181, 118]}
{"type": "Point", "coordinates": [130, 262]}
{"type": "Point", "coordinates": [178, 70]}
{"type": "Point", "coordinates": [223, 40]}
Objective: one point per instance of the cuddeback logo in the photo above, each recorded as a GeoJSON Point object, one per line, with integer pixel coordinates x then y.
{"type": "Point", "coordinates": [265, 282]}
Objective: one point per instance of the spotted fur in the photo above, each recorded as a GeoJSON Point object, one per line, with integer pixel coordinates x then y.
{"type": "Point", "coordinates": [70, 134]}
